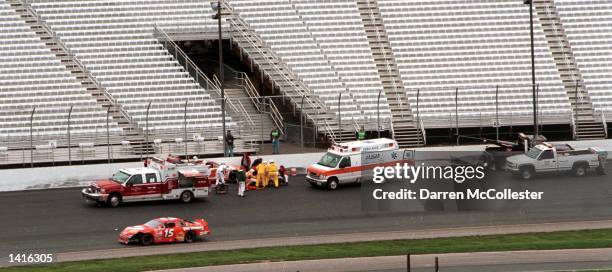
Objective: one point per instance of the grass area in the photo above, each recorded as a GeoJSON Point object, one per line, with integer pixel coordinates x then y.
{"type": "Point", "coordinates": [532, 241]}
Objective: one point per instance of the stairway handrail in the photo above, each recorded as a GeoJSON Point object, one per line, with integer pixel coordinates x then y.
{"type": "Point", "coordinates": [298, 84]}
{"type": "Point", "coordinates": [387, 66]}
{"type": "Point", "coordinates": [326, 58]}
{"type": "Point", "coordinates": [73, 57]}
{"type": "Point", "coordinates": [423, 132]}
{"type": "Point", "coordinates": [214, 85]}
{"type": "Point", "coordinates": [604, 122]}
{"type": "Point", "coordinates": [251, 91]}
{"type": "Point", "coordinates": [579, 95]}
{"type": "Point", "coordinates": [237, 109]}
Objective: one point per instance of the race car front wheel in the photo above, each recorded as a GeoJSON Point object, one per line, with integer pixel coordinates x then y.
{"type": "Point", "coordinates": [146, 239]}
{"type": "Point", "coordinates": [189, 237]}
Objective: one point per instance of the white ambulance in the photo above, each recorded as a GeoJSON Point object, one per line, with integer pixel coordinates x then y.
{"type": "Point", "coordinates": [353, 162]}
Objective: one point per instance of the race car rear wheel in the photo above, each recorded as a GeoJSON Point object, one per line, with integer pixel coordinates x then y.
{"type": "Point", "coordinates": [190, 237]}
{"type": "Point", "coordinates": [186, 197]}
{"type": "Point", "coordinates": [146, 239]}
{"type": "Point", "coordinates": [114, 200]}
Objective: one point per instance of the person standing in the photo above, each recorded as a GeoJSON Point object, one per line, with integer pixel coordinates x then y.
{"type": "Point", "coordinates": [229, 142]}
{"type": "Point", "coordinates": [360, 135]}
{"type": "Point", "coordinates": [261, 174]}
{"type": "Point", "coordinates": [241, 179]}
{"type": "Point", "coordinates": [272, 173]}
{"type": "Point", "coordinates": [275, 137]}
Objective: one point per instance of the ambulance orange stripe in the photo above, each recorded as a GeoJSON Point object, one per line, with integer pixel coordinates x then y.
{"type": "Point", "coordinates": [333, 172]}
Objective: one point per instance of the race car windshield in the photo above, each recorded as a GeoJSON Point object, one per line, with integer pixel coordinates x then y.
{"type": "Point", "coordinates": [120, 177]}
{"type": "Point", "coordinates": [153, 224]}
{"type": "Point", "coordinates": [329, 160]}
{"type": "Point", "coordinates": [533, 153]}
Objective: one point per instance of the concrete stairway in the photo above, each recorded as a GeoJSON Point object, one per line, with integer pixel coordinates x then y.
{"type": "Point", "coordinates": [131, 132]}
{"type": "Point", "coordinates": [406, 130]}
{"type": "Point", "coordinates": [262, 124]}
{"type": "Point", "coordinates": [586, 124]}
{"type": "Point", "coordinates": [281, 77]}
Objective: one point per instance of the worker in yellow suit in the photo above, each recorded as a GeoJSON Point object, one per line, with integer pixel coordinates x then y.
{"type": "Point", "coordinates": [261, 174]}
{"type": "Point", "coordinates": [272, 172]}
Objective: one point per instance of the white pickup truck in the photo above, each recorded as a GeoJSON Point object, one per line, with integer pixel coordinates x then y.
{"type": "Point", "coordinates": [557, 158]}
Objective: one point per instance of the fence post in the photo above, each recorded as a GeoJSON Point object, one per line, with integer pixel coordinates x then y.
{"type": "Point", "coordinates": [31, 137]}
{"type": "Point", "coordinates": [69, 142]}
{"type": "Point", "coordinates": [108, 147]}
{"type": "Point", "coordinates": [437, 265]}
{"type": "Point", "coordinates": [302, 124]}
{"type": "Point", "coordinates": [185, 131]}
{"type": "Point", "coordinates": [418, 115]}
{"type": "Point", "coordinates": [378, 113]}
{"type": "Point", "coordinates": [497, 113]}
{"type": "Point", "coordinates": [316, 130]}
{"type": "Point", "coordinates": [577, 106]}
{"type": "Point", "coordinates": [457, 114]}
{"type": "Point", "coordinates": [408, 264]}
{"type": "Point", "coordinates": [147, 125]}
{"type": "Point", "coordinates": [339, 116]}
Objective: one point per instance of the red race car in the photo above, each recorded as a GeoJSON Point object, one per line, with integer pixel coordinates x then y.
{"type": "Point", "coordinates": [165, 230]}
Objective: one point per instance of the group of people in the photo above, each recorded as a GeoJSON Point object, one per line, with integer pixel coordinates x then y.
{"type": "Point", "coordinates": [253, 176]}
{"type": "Point", "coordinates": [275, 135]}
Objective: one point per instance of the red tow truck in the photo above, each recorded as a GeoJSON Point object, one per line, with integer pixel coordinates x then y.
{"type": "Point", "coordinates": [160, 180]}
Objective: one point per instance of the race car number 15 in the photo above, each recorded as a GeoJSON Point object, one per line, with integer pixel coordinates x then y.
{"type": "Point", "coordinates": [168, 233]}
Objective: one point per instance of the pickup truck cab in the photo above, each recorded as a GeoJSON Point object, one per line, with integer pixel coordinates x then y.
{"type": "Point", "coordinates": [161, 180]}
{"type": "Point", "coordinates": [352, 161]}
{"type": "Point", "coordinates": [547, 157]}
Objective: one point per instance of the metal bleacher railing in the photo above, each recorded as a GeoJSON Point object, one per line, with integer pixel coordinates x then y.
{"type": "Point", "coordinates": [292, 82]}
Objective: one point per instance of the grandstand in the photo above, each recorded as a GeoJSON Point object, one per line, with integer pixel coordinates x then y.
{"type": "Point", "coordinates": [399, 66]}
{"type": "Point", "coordinates": [32, 75]}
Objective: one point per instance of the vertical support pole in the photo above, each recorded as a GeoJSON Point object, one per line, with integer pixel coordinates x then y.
{"type": "Point", "coordinates": [185, 130]}
{"type": "Point", "coordinates": [378, 113]}
{"type": "Point", "coordinates": [221, 76]}
{"type": "Point", "coordinates": [147, 125]}
{"type": "Point", "coordinates": [108, 146]}
{"type": "Point", "coordinates": [32, 137]}
{"type": "Point", "coordinates": [408, 264]}
{"type": "Point", "coordinates": [262, 125]}
{"type": "Point", "coordinates": [69, 142]}
{"type": "Point", "coordinates": [533, 75]}
{"type": "Point", "coordinates": [302, 124]}
{"type": "Point", "coordinates": [457, 114]}
{"type": "Point", "coordinates": [437, 265]}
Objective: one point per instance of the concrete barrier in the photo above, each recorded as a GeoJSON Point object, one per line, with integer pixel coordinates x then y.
{"type": "Point", "coordinates": [81, 175]}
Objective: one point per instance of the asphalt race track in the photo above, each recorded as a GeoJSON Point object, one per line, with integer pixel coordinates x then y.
{"type": "Point", "coordinates": [52, 221]}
